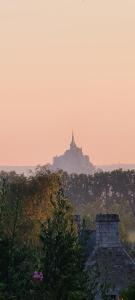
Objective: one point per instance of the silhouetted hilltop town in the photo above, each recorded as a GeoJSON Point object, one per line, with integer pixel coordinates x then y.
{"type": "Point", "coordinates": [73, 161]}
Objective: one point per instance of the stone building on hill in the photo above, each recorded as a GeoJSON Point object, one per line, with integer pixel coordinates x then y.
{"type": "Point", "coordinates": [73, 161]}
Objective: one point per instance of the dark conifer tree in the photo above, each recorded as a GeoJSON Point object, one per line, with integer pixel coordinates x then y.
{"type": "Point", "coordinates": [63, 260]}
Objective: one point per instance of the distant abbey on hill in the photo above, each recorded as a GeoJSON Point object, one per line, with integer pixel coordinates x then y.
{"type": "Point", "coordinates": [73, 161]}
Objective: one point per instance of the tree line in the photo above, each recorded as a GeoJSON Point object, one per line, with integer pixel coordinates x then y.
{"type": "Point", "coordinates": [42, 256]}
{"type": "Point", "coordinates": [104, 192]}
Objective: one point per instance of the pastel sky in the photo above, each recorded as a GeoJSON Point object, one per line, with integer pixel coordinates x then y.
{"type": "Point", "coordinates": [67, 64]}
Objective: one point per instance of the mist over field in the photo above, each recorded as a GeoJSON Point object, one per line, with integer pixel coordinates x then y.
{"type": "Point", "coordinates": [28, 169]}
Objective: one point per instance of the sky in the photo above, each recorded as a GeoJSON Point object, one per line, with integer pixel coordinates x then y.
{"type": "Point", "coordinates": [67, 64]}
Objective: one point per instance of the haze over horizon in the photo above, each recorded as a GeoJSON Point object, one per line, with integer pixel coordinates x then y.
{"type": "Point", "coordinates": [67, 64]}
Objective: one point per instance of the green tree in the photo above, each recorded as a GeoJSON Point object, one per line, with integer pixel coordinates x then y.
{"type": "Point", "coordinates": [129, 294]}
{"type": "Point", "coordinates": [17, 261]}
{"type": "Point", "coordinates": [63, 260]}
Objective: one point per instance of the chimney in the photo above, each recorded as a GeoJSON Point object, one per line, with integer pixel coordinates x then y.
{"type": "Point", "coordinates": [107, 231]}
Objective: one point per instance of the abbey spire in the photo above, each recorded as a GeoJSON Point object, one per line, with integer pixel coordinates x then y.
{"type": "Point", "coordinates": [72, 144]}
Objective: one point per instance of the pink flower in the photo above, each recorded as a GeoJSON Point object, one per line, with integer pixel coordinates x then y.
{"type": "Point", "coordinates": [38, 276]}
